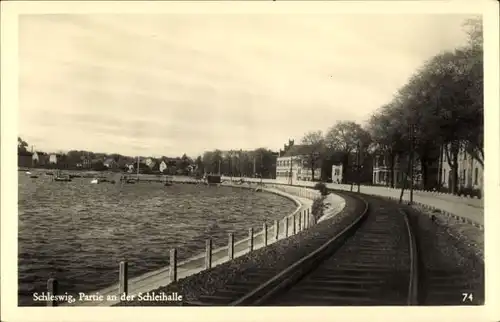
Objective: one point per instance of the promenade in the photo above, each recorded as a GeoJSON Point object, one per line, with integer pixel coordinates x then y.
{"type": "Point", "coordinates": [161, 277]}
{"type": "Point", "coordinates": [470, 209]}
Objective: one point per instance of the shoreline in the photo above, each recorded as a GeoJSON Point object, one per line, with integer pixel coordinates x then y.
{"type": "Point", "coordinates": [195, 264]}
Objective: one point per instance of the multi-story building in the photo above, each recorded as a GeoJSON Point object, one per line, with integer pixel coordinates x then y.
{"type": "Point", "coordinates": [292, 165]}
{"type": "Point", "coordinates": [382, 171]}
{"type": "Point", "coordinates": [470, 171]}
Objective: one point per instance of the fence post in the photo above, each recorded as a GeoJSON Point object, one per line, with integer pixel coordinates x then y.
{"type": "Point", "coordinates": [208, 254]}
{"type": "Point", "coordinates": [286, 226]}
{"type": "Point", "coordinates": [250, 239]}
{"type": "Point", "coordinates": [123, 278]}
{"type": "Point", "coordinates": [52, 289]}
{"type": "Point", "coordinates": [294, 229]}
{"type": "Point", "coordinates": [230, 246]}
{"type": "Point", "coordinates": [173, 265]}
{"type": "Point", "coordinates": [300, 221]}
{"type": "Point", "coordinates": [276, 230]}
{"type": "Point", "coordinates": [264, 228]}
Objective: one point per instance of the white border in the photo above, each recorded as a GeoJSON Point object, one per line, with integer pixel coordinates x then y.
{"type": "Point", "coordinates": [9, 103]}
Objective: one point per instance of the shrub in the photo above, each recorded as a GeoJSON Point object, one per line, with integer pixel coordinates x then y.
{"type": "Point", "coordinates": [321, 187]}
{"type": "Point", "coordinates": [469, 192]}
{"type": "Point", "coordinates": [317, 208]}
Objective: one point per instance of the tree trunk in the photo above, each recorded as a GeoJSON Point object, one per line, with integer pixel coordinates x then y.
{"type": "Point", "coordinates": [452, 158]}
{"type": "Point", "coordinates": [393, 160]}
{"type": "Point", "coordinates": [425, 173]}
{"type": "Point", "coordinates": [405, 176]}
{"type": "Point", "coordinates": [454, 181]}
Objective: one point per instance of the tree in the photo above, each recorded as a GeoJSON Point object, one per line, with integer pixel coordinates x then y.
{"type": "Point", "coordinates": [21, 145]}
{"type": "Point", "coordinates": [344, 137]}
{"type": "Point", "coordinates": [443, 104]}
{"type": "Point", "coordinates": [199, 165]}
{"type": "Point", "coordinates": [315, 147]}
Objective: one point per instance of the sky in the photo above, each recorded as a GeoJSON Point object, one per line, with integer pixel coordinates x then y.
{"type": "Point", "coordinates": [169, 84]}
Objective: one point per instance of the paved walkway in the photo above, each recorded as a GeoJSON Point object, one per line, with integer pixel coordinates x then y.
{"type": "Point", "coordinates": [196, 264]}
{"type": "Point", "coordinates": [468, 208]}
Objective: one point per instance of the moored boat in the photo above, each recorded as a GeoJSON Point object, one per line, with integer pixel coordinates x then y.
{"type": "Point", "coordinates": [62, 177]}
{"type": "Point", "coordinates": [66, 179]}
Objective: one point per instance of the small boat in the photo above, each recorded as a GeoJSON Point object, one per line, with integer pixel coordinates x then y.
{"type": "Point", "coordinates": [168, 184]}
{"type": "Point", "coordinates": [131, 181]}
{"type": "Point", "coordinates": [27, 172]}
{"type": "Point", "coordinates": [60, 177]}
{"type": "Point", "coordinates": [94, 181]}
{"type": "Point", "coordinates": [64, 179]}
{"type": "Point", "coordinates": [49, 173]}
{"type": "Point", "coordinates": [34, 176]}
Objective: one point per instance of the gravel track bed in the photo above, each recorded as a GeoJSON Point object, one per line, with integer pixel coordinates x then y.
{"type": "Point", "coordinates": [469, 235]}
{"type": "Point", "coordinates": [272, 259]}
{"type": "Point", "coordinates": [448, 266]}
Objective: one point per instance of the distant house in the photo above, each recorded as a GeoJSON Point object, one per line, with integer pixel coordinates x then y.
{"type": "Point", "coordinates": [150, 162]}
{"type": "Point", "coordinates": [130, 167]}
{"type": "Point", "coordinates": [86, 162]}
{"type": "Point", "coordinates": [53, 158]}
{"type": "Point", "coordinates": [24, 159]}
{"type": "Point", "coordinates": [111, 164]}
{"type": "Point", "coordinates": [40, 159]}
{"type": "Point", "coordinates": [163, 166]}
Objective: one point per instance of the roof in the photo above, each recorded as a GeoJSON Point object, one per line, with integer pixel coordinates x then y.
{"type": "Point", "coordinates": [294, 150]}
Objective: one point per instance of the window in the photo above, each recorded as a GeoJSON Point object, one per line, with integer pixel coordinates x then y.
{"type": "Point", "coordinates": [476, 176]}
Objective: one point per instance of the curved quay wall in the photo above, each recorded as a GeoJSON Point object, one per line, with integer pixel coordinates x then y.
{"type": "Point", "coordinates": [465, 209]}
{"type": "Point", "coordinates": [299, 220]}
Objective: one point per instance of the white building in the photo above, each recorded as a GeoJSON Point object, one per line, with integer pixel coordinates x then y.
{"type": "Point", "coordinates": [470, 171]}
{"type": "Point", "coordinates": [337, 173]}
{"type": "Point", "coordinates": [292, 165]}
{"type": "Point", "coordinates": [163, 166]}
{"type": "Point", "coordinates": [53, 158]}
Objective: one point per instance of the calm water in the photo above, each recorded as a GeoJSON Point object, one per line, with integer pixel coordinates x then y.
{"type": "Point", "coordinates": [78, 232]}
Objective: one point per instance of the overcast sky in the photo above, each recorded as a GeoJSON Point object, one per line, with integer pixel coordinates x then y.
{"type": "Point", "coordinates": [178, 83]}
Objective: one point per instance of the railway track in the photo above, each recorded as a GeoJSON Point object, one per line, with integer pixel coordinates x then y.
{"type": "Point", "coordinates": [372, 261]}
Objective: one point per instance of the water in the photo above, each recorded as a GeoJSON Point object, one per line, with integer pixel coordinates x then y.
{"type": "Point", "coordinates": [78, 232]}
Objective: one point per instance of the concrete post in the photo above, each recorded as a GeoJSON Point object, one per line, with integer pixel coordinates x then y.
{"type": "Point", "coordinates": [123, 278]}
{"type": "Point", "coordinates": [173, 265]}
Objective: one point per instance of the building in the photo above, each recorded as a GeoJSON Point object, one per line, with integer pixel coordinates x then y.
{"type": "Point", "coordinates": [53, 159]}
{"type": "Point", "coordinates": [86, 162]}
{"type": "Point", "coordinates": [470, 172]}
{"type": "Point", "coordinates": [150, 162]}
{"type": "Point", "coordinates": [382, 171]}
{"type": "Point", "coordinates": [292, 164]}
{"type": "Point", "coordinates": [40, 159]}
{"type": "Point", "coordinates": [163, 166]}
{"type": "Point", "coordinates": [24, 159]}
{"type": "Point", "coordinates": [337, 173]}
{"type": "Point", "coordinates": [111, 164]}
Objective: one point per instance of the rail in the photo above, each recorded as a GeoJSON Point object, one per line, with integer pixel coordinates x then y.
{"type": "Point", "coordinates": [295, 272]}
{"type": "Point", "coordinates": [289, 277]}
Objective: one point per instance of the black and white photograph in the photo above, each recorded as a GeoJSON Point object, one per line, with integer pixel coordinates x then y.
{"type": "Point", "coordinates": [256, 159]}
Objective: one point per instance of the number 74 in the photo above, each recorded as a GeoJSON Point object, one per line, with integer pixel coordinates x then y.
{"type": "Point", "coordinates": [467, 296]}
